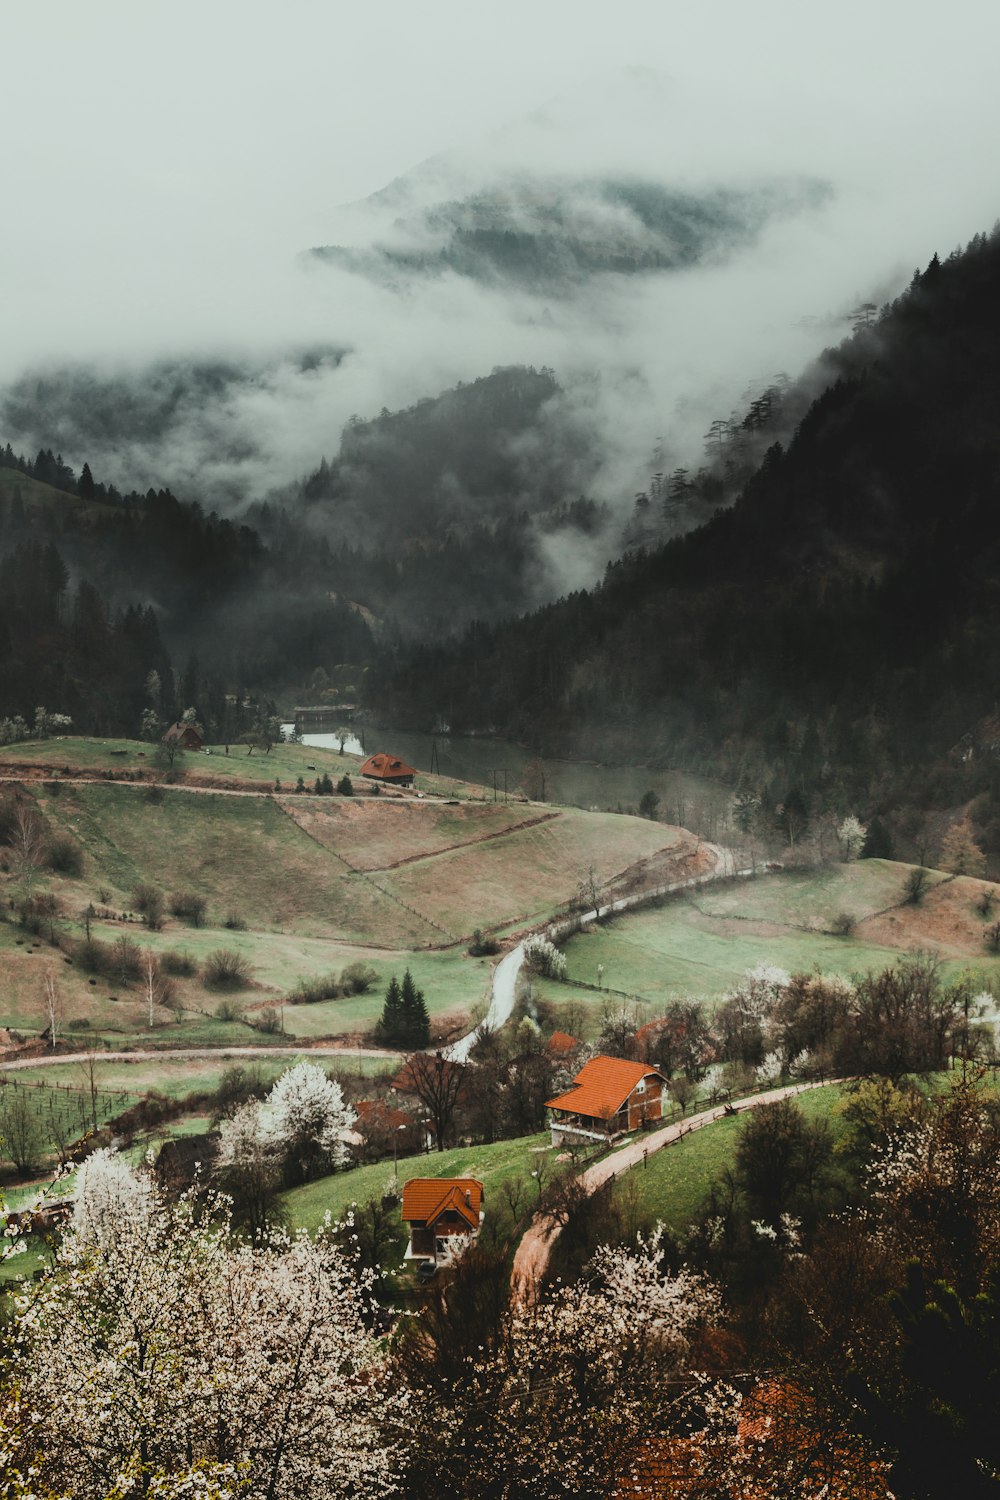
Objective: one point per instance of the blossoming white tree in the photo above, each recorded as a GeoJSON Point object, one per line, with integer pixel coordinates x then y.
{"type": "Point", "coordinates": [307, 1118]}
{"type": "Point", "coordinates": [169, 1344]}
{"type": "Point", "coordinates": [573, 1382]}
{"type": "Point", "coordinates": [109, 1195]}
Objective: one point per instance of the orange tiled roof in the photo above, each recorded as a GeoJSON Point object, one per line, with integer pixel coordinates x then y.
{"type": "Point", "coordinates": [560, 1043]}
{"type": "Point", "coordinates": [602, 1086]}
{"type": "Point", "coordinates": [425, 1199]}
{"type": "Point", "coordinates": [386, 767]}
{"type": "Point", "coordinates": [373, 1110]}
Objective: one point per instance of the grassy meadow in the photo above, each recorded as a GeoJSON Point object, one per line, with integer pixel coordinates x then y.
{"type": "Point", "coordinates": [493, 1165]}
{"type": "Point", "coordinates": [299, 887]}
{"type": "Point", "coordinates": [675, 1181]}
{"type": "Point", "coordinates": [701, 943]}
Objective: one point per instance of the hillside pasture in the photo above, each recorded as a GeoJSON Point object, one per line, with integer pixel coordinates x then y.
{"type": "Point", "coordinates": [532, 872]}
{"type": "Point", "coordinates": [242, 854]}
{"type": "Point", "coordinates": [376, 834]}
{"type": "Point", "coordinates": [674, 1183]}
{"type": "Point", "coordinates": [700, 944]}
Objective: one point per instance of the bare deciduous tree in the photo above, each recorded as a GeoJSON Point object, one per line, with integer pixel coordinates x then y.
{"type": "Point", "coordinates": [27, 845]}
{"type": "Point", "coordinates": [438, 1084]}
{"type": "Point", "coordinates": [53, 1008]}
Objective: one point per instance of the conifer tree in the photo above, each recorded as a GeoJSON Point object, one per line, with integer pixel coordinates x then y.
{"type": "Point", "coordinates": [416, 1026]}
{"type": "Point", "coordinates": [390, 1023]}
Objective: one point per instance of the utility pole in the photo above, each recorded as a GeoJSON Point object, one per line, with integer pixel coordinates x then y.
{"type": "Point", "coordinates": [494, 783]}
{"type": "Point", "coordinates": [505, 786]}
{"type": "Point", "coordinates": [435, 762]}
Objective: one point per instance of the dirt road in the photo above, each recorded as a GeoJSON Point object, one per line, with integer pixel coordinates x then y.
{"type": "Point", "coordinates": [532, 1256]}
{"type": "Point", "coordinates": [152, 1054]}
{"type": "Point", "coordinates": [504, 988]}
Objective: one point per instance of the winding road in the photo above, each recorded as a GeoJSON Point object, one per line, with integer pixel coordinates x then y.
{"type": "Point", "coordinates": [532, 1256]}
{"type": "Point", "coordinates": [504, 989]}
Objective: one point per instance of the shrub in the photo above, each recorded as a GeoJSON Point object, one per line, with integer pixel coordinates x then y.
{"type": "Point", "coordinates": [228, 1010]}
{"type": "Point", "coordinates": [991, 937]}
{"type": "Point", "coordinates": [153, 793]}
{"type": "Point", "coordinates": [125, 959]}
{"type": "Point", "coordinates": [227, 970]}
{"type": "Point", "coordinates": [238, 1084]}
{"type": "Point", "coordinates": [986, 901]}
{"type": "Point", "coordinates": [482, 946]}
{"type": "Point", "coordinates": [915, 886]}
{"type": "Point", "coordinates": [300, 785]}
{"type": "Point", "coordinates": [187, 905]}
{"type": "Point", "coordinates": [148, 902]}
{"type": "Point", "coordinates": [65, 856]}
{"type": "Point", "coordinates": [93, 957]}
{"type": "Point", "coordinates": [235, 922]}
{"type": "Point", "coordinates": [267, 1021]}
{"type": "Point", "coordinates": [178, 963]}
{"type": "Point", "coordinates": [843, 924]}
{"type": "Point", "coordinates": [345, 786]}
{"type": "Point", "coordinates": [358, 978]}
{"type": "Point", "coordinates": [310, 991]}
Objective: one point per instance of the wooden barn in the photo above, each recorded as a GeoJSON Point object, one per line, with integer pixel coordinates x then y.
{"type": "Point", "coordinates": [388, 768]}
{"type": "Point", "coordinates": [610, 1097]}
{"type": "Point", "coordinates": [183, 735]}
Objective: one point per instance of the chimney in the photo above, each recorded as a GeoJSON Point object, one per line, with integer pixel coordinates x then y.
{"type": "Point", "coordinates": [468, 1197]}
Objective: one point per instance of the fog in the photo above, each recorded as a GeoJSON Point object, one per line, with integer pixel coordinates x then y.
{"type": "Point", "coordinates": [169, 165]}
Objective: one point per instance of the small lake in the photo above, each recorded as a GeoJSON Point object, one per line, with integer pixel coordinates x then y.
{"type": "Point", "coordinates": [692, 801]}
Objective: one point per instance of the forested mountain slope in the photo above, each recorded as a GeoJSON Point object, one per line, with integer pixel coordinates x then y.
{"type": "Point", "coordinates": [837, 625]}
{"type": "Point", "coordinates": [547, 234]}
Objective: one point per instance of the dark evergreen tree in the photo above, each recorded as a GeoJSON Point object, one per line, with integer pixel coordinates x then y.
{"type": "Point", "coordinates": [389, 1027]}
{"type": "Point", "coordinates": [415, 1022]}
{"type": "Point", "coordinates": [878, 841]}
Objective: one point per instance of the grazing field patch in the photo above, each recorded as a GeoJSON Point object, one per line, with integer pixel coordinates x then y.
{"type": "Point", "coordinates": [492, 1165]}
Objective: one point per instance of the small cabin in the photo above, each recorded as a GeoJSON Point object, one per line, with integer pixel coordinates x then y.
{"type": "Point", "coordinates": [444, 1215]}
{"type": "Point", "coordinates": [610, 1097]}
{"type": "Point", "coordinates": [388, 768]}
{"type": "Point", "coordinates": [183, 735]}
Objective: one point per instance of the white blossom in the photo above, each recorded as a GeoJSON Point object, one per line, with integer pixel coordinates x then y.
{"type": "Point", "coordinates": [769, 1071]}
{"type": "Point", "coordinates": [174, 1346]}
{"type": "Point", "coordinates": [305, 1108]}
{"type": "Point", "coordinates": [111, 1197]}
{"type": "Point", "coordinates": [544, 957]}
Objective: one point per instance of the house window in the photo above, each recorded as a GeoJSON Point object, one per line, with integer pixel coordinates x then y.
{"type": "Point", "coordinates": [640, 1087]}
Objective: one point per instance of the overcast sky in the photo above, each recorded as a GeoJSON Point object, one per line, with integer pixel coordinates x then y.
{"type": "Point", "coordinates": [181, 132]}
{"type": "Point", "coordinates": [166, 162]}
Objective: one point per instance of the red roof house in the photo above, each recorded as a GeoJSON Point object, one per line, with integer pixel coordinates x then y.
{"type": "Point", "coordinates": [444, 1215]}
{"type": "Point", "coordinates": [388, 768]}
{"type": "Point", "coordinates": [610, 1097]}
{"type": "Point", "coordinates": [560, 1044]}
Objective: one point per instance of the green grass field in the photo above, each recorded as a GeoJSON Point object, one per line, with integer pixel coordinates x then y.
{"type": "Point", "coordinates": [700, 945]}
{"type": "Point", "coordinates": [674, 1183]}
{"type": "Point", "coordinates": [492, 1165]}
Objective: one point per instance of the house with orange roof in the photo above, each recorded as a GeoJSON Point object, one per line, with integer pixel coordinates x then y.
{"type": "Point", "coordinates": [444, 1215]}
{"type": "Point", "coordinates": [388, 768]}
{"type": "Point", "coordinates": [561, 1045]}
{"type": "Point", "coordinates": [610, 1097]}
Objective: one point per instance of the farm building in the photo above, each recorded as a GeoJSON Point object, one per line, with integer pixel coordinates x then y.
{"type": "Point", "coordinates": [610, 1097]}
{"type": "Point", "coordinates": [443, 1214]}
{"type": "Point", "coordinates": [388, 768]}
{"type": "Point", "coordinates": [183, 735]}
